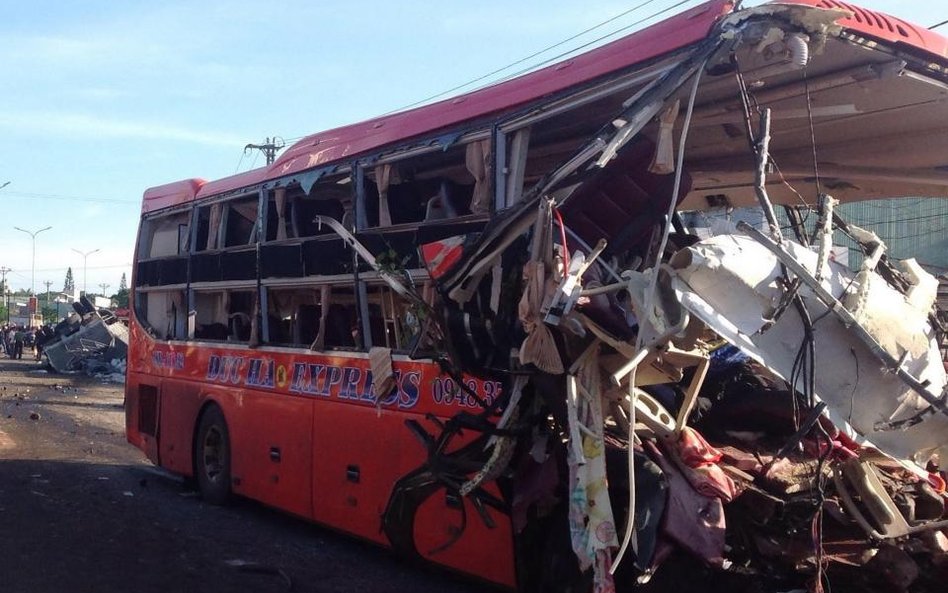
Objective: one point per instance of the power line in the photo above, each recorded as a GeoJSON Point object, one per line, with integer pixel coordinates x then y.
{"type": "Point", "coordinates": [933, 27]}
{"type": "Point", "coordinates": [538, 53]}
{"type": "Point", "coordinates": [530, 57]}
{"type": "Point", "coordinates": [243, 153]}
{"type": "Point", "coordinates": [585, 45]}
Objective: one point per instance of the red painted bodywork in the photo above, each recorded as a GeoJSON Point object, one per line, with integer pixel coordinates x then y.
{"type": "Point", "coordinates": [319, 411]}
{"type": "Point", "coordinates": [878, 25]}
{"type": "Point", "coordinates": [346, 142]}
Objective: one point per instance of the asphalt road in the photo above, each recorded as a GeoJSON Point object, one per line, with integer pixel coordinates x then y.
{"type": "Point", "coordinates": [83, 511]}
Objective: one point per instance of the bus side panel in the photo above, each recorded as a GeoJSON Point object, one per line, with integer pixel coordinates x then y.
{"type": "Point", "coordinates": [180, 404]}
{"type": "Point", "coordinates": [481, 551]}
{"type": "Point", "coordinates": [271, 447]}
{"type": "Point", "coordinates": [142, 413]}
{"type": "Point", "coordinates": [356, 453]}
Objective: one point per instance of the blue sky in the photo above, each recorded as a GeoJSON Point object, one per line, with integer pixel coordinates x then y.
{"type": "Point", "coordinates": [102, 99]}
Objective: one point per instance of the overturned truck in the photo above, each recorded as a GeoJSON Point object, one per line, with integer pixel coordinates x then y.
{"type": "Point", "coordinates": [89, 339]}
{"type": "Point", "coordinates": [735, 412]}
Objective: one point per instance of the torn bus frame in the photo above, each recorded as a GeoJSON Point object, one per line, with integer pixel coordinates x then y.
{"type": "Point", "coordinates": [701, 462]}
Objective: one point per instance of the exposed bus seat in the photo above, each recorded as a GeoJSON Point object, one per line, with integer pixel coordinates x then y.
{"type": "Point", "coordinates": [280, 330]}
{"type": "Point", "coordinates": [308, 320]}
{"type": "Point", "coordinates": [240, 324]}
{"type": "Point", "coordinates": [377, 326]}
{"type": "Point", "coordinates": [211, 331]}
{"type": "Point", "coordinates": [622, 202]}
{"type": "Point", "coordinates": [441, 206]}
{"type": "Point", "coordinates": [339, 325]}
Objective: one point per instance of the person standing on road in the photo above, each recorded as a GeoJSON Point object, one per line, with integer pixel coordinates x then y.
{"type": "Point", "coordinates": [42, 336]}
{"type": "Point", "coordinates": [8, 332]}
{"type": "Point", "coordinates": [18, 337]}
{"type": "Point", "coordinates": [29, 340]}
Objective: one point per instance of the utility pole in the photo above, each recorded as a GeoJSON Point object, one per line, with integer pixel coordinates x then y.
{"type": "Point", "coordinates": [103, 286]}
{"type": "Point", "coordinates": [269, 148]}
{"type": "Point", "coordinates": [48, 283]}
{"type": "Point", "coordinates": [3, 285]}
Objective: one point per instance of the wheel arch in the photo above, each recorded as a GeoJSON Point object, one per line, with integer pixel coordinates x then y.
{"type": "Point", "coordinates": [208, 403]}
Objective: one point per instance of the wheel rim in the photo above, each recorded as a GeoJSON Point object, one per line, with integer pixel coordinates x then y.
{"type": "Point", "coordinates": [214, 452]}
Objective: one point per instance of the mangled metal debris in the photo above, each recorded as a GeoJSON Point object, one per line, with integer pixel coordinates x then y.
{"type": "Point", "coordinates": [823, 390]}
{"type": "Point", "coordinates": [732, 284]}
{"type": "Point", "coordinates": [91, 341]}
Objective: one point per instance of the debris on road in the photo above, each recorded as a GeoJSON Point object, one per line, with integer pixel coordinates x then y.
{"type": "Point", "coordinates": [257, 568]}
{"type": "Point", "coordinates": [90, 340]}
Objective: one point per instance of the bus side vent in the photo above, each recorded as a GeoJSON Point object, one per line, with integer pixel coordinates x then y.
{"type": "Point", "coordinates": [148, 409]}
{"type": "Point", "coordinates": [353, 473]}
{"type": "Point", "coordinates": [882, 23]}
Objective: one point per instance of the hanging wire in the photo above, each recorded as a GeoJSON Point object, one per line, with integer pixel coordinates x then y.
{"type": "Point", "coordinates": [586, 45]}
{"type": "Point", "coordinates": [649, 296]}
{"type": "Point", "coordinates": [809, 116]}
{"type": "Point", "coordinates": [524, 59]}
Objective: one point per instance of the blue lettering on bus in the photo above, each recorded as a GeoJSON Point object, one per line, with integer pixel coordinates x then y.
{"type": "Point", "coordinates": [168, 360]}
{"type": "Point", "coordinates": [224, 369]}
{"type": "Point", "coordinates": [297, 383]}
{"type": "Point", "coordinates": [445, 391]}
{"type": "Point", "coordinates": [408, 390]}
{"type": "Point", "coordinates": [333, 377]}
{"type": "Point", "coordinates": [315, 372]}
{"type": "Point", "coordinates": [343, 382]}
{"type": "Point", "coordinates": [351, 376]}
{"type": "Point", "coordinates": [260, 373]}
{"type": "Point", "coordinates": [368, 394]}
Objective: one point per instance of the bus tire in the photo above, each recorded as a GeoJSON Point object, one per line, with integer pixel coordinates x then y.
{"type": "Point", "coordinates": [212, 456]}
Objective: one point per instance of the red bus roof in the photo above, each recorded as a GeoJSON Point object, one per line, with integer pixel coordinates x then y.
{"type": "Point", "coordinates": [333, 145]}
{"type": "Point", "coordinates": [677, 32]}
{"type": "Point", "coordinates": [667, 36]}
{"type": "Point", "coordinates": [885, 27]}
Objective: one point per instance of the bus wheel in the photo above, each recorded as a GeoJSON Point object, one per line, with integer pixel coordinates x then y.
{"type": "Point", "coordinates": [212, 457]}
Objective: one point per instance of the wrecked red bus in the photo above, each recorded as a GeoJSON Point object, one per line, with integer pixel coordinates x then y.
{"type": "Point", "coordinates": [478, 333]}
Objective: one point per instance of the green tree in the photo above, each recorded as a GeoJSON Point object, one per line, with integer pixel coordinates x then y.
{"type": "Point", "coordinates": [69, 286]}
{"type": "Point", "coordinates": [123, 284]}
{"type": "Point", "coordinates": [49, 315]}
{"type": "Point", "coordinates": [120, 298]}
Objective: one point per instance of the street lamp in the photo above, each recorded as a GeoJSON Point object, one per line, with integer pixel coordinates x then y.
{"type": "Point", "coordinates": [32, 235]}
{"type": "Point", "coordinates": [84, 256]}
